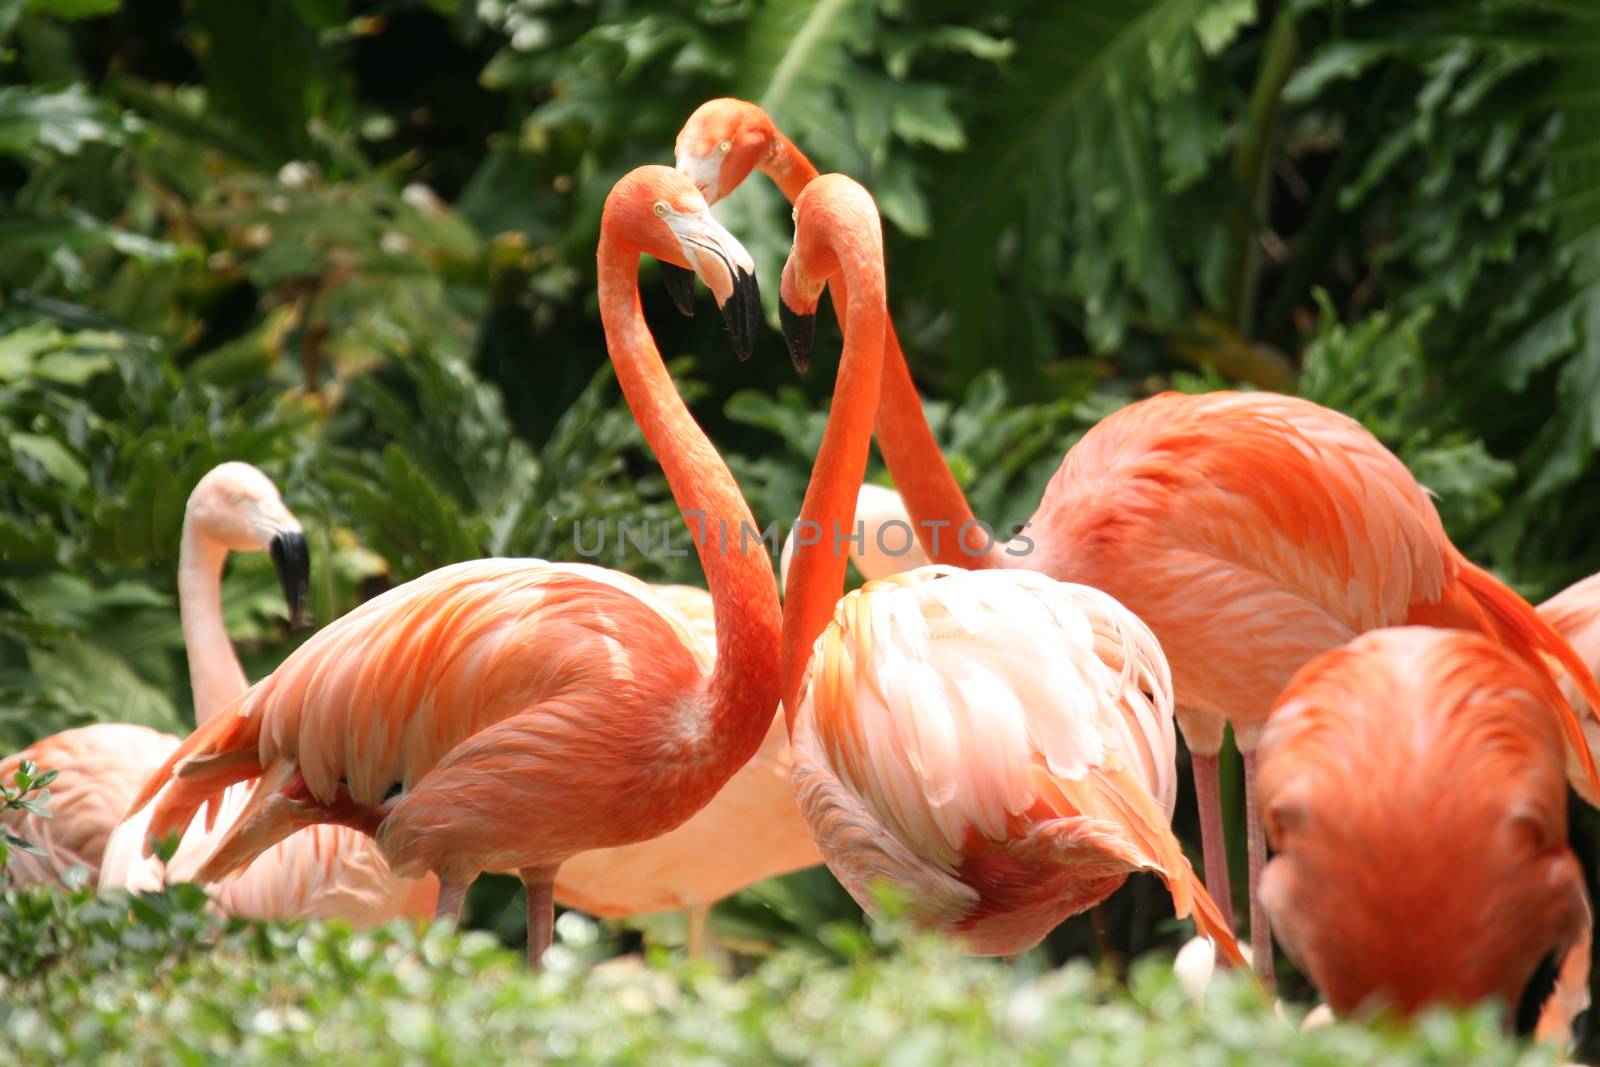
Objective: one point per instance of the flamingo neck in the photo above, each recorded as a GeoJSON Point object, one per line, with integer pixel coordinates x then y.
{"type": "Point", "coordinates": [818, 570]}
{"type": "Point", "coordinates": [788, 166]}
{"type": "Point", "coordinates": [215, 676]}
{"type": "Point", "coordinates": [743, 687]}
{"type": "Point", "coordinates": [938, 508]}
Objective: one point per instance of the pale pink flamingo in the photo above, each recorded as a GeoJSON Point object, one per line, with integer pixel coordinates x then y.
{"type": "Point", "coordinates": [750, 831]}
{"type": "Point", "coordinates": [1413, 790]}
{"type": "Point", "coordinates": [100, 769]}
{"type": "Point", "coordinates": [997, 747]}
{"type": "Point", "coordinates": [509, 714]}
{"type": "Point", "coordinates": [1249, 530]}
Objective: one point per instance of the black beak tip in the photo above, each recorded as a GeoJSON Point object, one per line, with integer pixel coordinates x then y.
{"type": "Point", "coordinates": [293, 561]}
{"type": "Point", "coordinates": [679, 282]}
{"type": "Point", "coordinates": [743, 314]}
{"type": "Point", "coordinates": [797, 331]}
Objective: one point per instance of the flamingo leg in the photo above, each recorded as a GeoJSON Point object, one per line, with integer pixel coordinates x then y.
{"type": "Point", "coordinates": [1260, 926]}
{"type": "Point", "coordinates": [699, 930]}
{"type": "Point", "coordinates": [451, 896]}
{"type": "Point", "coordinates": [1208, 795]}
{"type": "Point", "coordinates": [541, 886]}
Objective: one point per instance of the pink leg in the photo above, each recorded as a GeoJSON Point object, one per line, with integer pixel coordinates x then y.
{"type": "Point", "coordinates": [451, 896]}
{"type": "Point", "coordinates": [1260, 926]}
{"type": "Point", "coordinates": [1208, 794]}
{"type": "Point", "coordinates": [541, 886]}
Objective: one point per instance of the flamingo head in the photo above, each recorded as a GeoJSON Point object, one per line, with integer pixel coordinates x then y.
{"type": "Point", "coordinates": [662, 214]}
{"type": "Point", "coordinates": [723, 141]}
{"type": "Point", "coordinates": [833, 216]}
{"type": "Point", "coordinates": [236, 506]}
{"type": "Point", "coordinates": [1411, 788]}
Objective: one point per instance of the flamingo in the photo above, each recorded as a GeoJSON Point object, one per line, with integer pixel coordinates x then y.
{"type": "Point", "coordinates": [328, 873]}
{"type": "Point", "coordinates": [750, 831]}
{"type": "Point", "coordinates": [997, 746]}
{"type": "Point", "coordinates": [1250, 531]}
{"type": "Point", "coordinates": [506, 714]}
{"type": "Point", "coordinates": [101, 766]}
{"type": "Point", "coordinates": [1413, 789]}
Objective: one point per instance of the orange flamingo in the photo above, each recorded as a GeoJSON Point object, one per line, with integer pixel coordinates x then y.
{"type": "Point", "coordinates": [750, 831]}
{"type": "Point", "coordinates": [1250, 531]}
{"type": "Point", "coordinates": [510, 714]}
{"type": "Point", "coordinates": [999, 747]}
{"type": "Point", "coordinates": [1412, 788]}
{"type": "Point", "coordinates": [325, 873]}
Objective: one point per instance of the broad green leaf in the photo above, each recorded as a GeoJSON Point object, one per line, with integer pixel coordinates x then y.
{"type": "Point", "coordinates": [54, 458]}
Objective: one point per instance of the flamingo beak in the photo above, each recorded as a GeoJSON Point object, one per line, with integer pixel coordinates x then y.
{"type": "Point", "coordinates": [797, 311]}
{"type": "Point", "coordinates": [293, 562]}
{"type": "Point", "coordinates": [727, 269]}
{"type": "Point", "coordinates": [680, 286]}
{"type": "Point", "coordinates": [798, 329]}
{"type": "Point", "coordinates": [705, 171]}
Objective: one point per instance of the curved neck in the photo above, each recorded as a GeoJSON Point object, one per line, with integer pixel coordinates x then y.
{"type": "Point", "coordinates": [938, 508]}
{"type": "Point", "coordinates": [788, 166]}
{"type": "Point", "coordinates": [743, 687]}
{"type": "Point", "coordinates": [817, 574]}
{"type": "Point", "coordinates": [215, 676]}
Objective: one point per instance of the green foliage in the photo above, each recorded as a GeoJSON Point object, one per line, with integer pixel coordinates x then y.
{"type": "Point", "coordinates": [28, 791]}
{"type": "Point", "coordinates": [80, 971]}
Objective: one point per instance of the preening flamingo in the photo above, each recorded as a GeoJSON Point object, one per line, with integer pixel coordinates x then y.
{"type": "Point", "coordinates": [750, 831]}
{"type": "Point", "coordinates": [1250, 531]}
{"type": "Point", "coordinates": [1413, 791]}
{"type": "Point", "coordinates": [509, 714]}
{"type": "Point", "coordinates": [998, 747]}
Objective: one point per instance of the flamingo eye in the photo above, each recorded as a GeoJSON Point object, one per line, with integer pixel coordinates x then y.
{"type": "Point", "coordinates": [725, 146]}
{"type": "Point", "coordinates": [660, 209]}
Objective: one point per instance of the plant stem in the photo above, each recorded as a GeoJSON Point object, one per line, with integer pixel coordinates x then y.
{"type": "Point", "coordinates": [1251, 162]}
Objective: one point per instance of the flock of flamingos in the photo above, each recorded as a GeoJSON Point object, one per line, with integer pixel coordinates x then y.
{"type": "Point", "coordinates": [990, 731]}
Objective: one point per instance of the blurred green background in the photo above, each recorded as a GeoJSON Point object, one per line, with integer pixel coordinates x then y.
{"type": "Point", "coordinates": [354, 244]}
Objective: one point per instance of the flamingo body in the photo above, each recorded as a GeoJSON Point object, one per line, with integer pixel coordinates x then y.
{"type": "Point", "coordinates": [436, 688]}
{"type": "Point", "coordinates": [750, 831]}
{"type": "Point", "coordinates": [998, 745]}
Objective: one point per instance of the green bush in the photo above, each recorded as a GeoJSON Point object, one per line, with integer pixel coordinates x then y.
{"type": "Point", "coordinates": [151, 980]}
